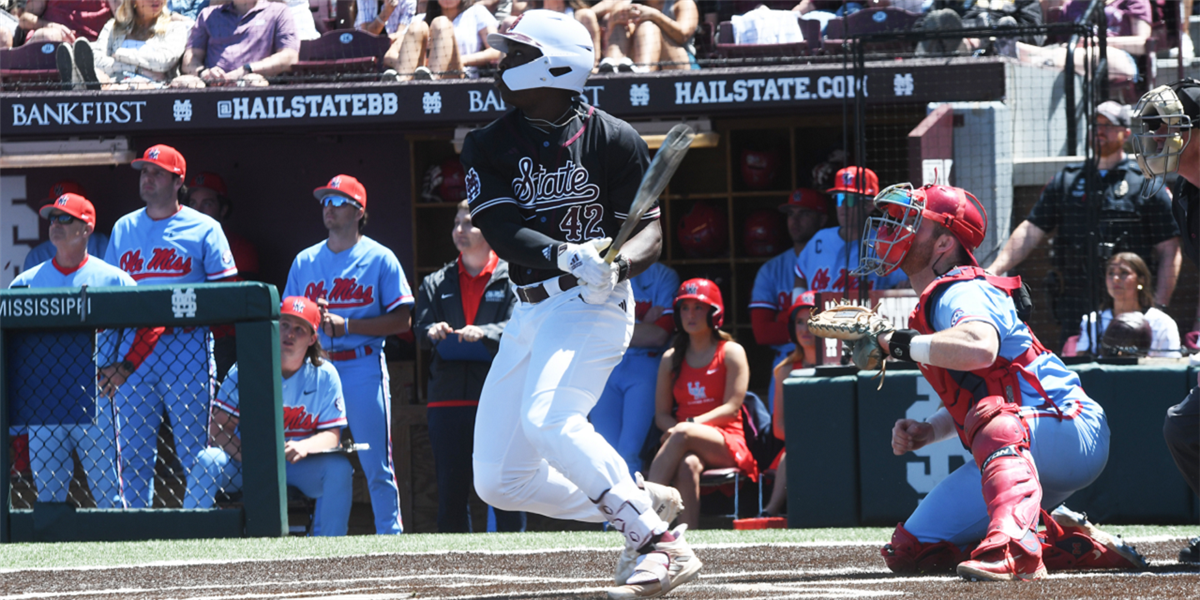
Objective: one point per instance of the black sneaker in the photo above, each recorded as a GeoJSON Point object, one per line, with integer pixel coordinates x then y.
{"type": "Point", "coordinates": [66, 66]}
{"type": "Point", "coordinates": [1191, 554]}
{"type": "Point", "coordinates": [86, 63]}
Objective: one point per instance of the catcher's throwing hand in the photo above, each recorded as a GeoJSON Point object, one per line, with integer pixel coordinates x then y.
{"type": "Point", "coordinates": [909, 435]}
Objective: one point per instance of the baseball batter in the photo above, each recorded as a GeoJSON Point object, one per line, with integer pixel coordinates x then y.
{"type": "Point", "coordinates": [548, 184]}
{"type": "Point", "coordinates": [626, 407]}
{"type": "Point", "coordinates": [771, 297]}
{"type": "Point", "coordinates": [364, 297]}
{"type": "Point", "coordinates": [313, 417]}
{"type": "Point", "coordinates": [72, 220]}
{"type": "Point", "coordinates": [166, 368]}
{"type": "Point", "coordinates": [1035, 435]}
{"type": "Point", "coordinates": [831, 254]}
{"type": "Point", "coordinates": [97, 242]}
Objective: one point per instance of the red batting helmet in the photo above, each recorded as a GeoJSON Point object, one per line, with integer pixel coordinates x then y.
{"type": "Point", "coordinates": [759, 168]}
{"type": "Point", "coordinates": [703, 231]}
{"type": "Point", "coordinates": [856, 180]}
{"type": "Point", "coordinates": [705, 291]}
{"type": "Point", "coordinates": [764, 233]}
{"type": "Point", "coordinates": [804, 300]}
{"type": "Point", "coordinates": [888, 237]}
{"type": "Point", "coordinates": [453, 187]}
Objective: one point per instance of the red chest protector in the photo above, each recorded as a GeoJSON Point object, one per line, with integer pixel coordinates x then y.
{"type": "Point", "coordinates": [962, 390]}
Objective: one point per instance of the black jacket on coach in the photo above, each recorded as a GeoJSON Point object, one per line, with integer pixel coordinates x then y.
{"type": "Point", "coordinates": [440, 299]}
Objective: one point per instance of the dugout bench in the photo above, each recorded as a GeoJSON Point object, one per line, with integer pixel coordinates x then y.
{"type": "Point", "coordinates": [846, 424]}
{"type": "Point", "coordinates": [253, 308]}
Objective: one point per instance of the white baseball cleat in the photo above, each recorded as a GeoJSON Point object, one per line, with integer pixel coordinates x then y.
{"type": "Point", "coordinates": [667, 503]}
{"type": "Point", "coordinates": [666, 567]}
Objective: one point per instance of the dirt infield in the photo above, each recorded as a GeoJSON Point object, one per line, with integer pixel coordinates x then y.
{"type": "Point", "coordinates": [731, 571]}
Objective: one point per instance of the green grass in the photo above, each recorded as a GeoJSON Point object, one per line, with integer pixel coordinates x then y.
{"type": "Point", "coordinates": [102, 554]}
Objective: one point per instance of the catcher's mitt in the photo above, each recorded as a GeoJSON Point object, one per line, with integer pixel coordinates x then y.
{"type": "Point", "coordinates": [858, 327]}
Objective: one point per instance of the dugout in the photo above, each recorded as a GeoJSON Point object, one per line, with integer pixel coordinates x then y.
{"type": "Point", "coordinates": [274, 145]}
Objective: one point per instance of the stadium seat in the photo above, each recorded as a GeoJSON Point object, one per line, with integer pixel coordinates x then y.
{"type": "Point", "coordinates": [726, 48]}
{"type": "Point", "coordinates": [340, 53]}
{"type": "Point", "coordinates": [839, 30]}
{"type": "Point", "coordinates": [29, 67]}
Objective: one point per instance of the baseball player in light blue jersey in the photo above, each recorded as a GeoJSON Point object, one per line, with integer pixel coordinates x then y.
{"type": "Point", "coordinates": [97, 242]}
{"type": "Point", "coordinates": [771, 299]}
{"type": "Point", "coordinates": [72, 220]}
{"type": "Point", "coordinates": [831, 254]}
{"type": "Point", "coordinates": [313, 417]}
{"type": "Point", "coordinates": [626, 407]}
{"type": "Point", "coordinates": [364, 297]}
{"type": "Point", "coordinates": [166, 367]}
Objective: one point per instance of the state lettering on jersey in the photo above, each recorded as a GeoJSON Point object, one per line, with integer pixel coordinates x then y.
{"type": "Point", "coordinates": [542, 190]}
{"type": "Point", "coordinates": [346, 293]}
{"type": "Point", "coordinates": [297, 419]}
{"type": "Point", "coordinates": [163, 262]}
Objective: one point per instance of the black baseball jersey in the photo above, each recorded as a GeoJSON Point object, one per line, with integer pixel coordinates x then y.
{"type": "Point", "coordinates": [573, 184]}
{"type": "Point", "coordinates": [1187, 215]}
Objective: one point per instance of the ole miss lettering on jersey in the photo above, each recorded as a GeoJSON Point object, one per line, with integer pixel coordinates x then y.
{"type": "Point", "coordinates": [346, 293]}
{"type": "Point", "coordinates": [164, 262]}
{"type": "Point", "coordinates": [185, 247]}
{"type": "Point", "coordinates": [298, 422]}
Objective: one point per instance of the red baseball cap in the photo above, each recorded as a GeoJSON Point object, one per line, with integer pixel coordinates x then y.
{"type": "Point", "coordinates": [806, 198]}
{"type": "Point", "coordinates": [162, 155]}
{"type": "Point", "coordinates": [210, 181]}
{"type": "Point", "coordinates": [73, 204]}
{"type": "Point", "coordinates": [846, 180]}
{"type": "Point", "coordinates": [299, 306]}
{"type": "Point", "coordinates": [65, 186]}
{"type": "Point", "coordinates": [804, 300]}
{"type": "Point", "coordinates": [346, 186]}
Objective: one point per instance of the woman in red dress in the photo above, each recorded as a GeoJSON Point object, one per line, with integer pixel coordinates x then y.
{"type": "Point", "coordinates": [803, 356]}
{"type": "Point", "coordinates": [701, 384]}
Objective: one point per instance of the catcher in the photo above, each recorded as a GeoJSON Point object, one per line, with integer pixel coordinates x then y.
{"type": "Point", "coordinates": [1035, 435]}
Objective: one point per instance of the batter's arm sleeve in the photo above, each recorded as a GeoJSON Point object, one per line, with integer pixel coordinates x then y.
{"type": "Point", "coordinates": [505, 232]}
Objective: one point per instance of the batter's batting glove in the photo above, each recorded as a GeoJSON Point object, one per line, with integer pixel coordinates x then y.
{"type": "Point", "coordinates": [598, 293]}
{"type": "Point", "coordinates": [584, 261]}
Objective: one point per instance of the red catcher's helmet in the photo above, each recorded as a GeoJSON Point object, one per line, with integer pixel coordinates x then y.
{"type": "Point", "coordinates": [701, 290]}
{"type": "Point", "coordinates": [453, 187]}
{"type": "Point", "coordinates": [703, 231]}
{"type": "Point", "coordinates": [888, 237]}
{"type": "Point", "coordinates": [759, 168]}
{"type": "Point", "coordinates": [765, 233]}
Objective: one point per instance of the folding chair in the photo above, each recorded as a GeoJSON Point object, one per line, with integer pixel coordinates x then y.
{"type": "Point", "coordinates": [30, 67]}
{"type": "Point", "coordinates": [755, 418]}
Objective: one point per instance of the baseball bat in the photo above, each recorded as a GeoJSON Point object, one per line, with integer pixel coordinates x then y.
{"type": "Point", "coordinates": [666, 160]}
{"type": "Point", "coordinates": [347, 449]}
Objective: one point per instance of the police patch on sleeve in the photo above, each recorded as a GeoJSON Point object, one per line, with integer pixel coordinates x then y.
{"type": "Point", "coordinates": [472, 181]}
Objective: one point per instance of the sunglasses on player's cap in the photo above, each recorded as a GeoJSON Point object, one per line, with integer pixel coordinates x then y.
{"type": "Point", "coordinates": [336, 201]}
{"type": "Point", "coordinates": [344, 186]}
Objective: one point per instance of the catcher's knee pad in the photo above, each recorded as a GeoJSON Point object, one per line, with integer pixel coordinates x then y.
{"type": "Point", "coordinates": [1002, 429]}
{"type": "Point", "coordinates": [981, 416]}
{"type": "Point", "coordinates": [1013, 497]}
{"type": "Point", "coordinates": [906, 554]}
{"type": "Point", "coordinates": [629, 509]}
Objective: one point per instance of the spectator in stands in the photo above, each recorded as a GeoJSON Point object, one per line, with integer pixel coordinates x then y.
{"type": "Point", "coordinates": [450, 43]}
{"type": "Point", "coordinates": [649, 37]}
{"type": "Point", "coordinates": [139, 48]}
{"type": "Point", "coordinates": [189, 8]}
{"type": "Point", "coordinates": [1128, 223]}
{"type": "Point", "coordinates": [240, 41]}
{"type": "Point", "coordinates": [803, 355]}
{"type": "Point", "coordinates": [97, 241]}
{"type": "Point", "coordinates": [313, 418]}
{"type": "Point", "coordinates": [1128, 282]}
{"type": "Point", "coordinates": [575, 8]}
{"type": "Point", "coordinates": [954, 14]}
{"type": "Point", "coordinates": [702, 383]}
{"type": "Point", "coordinates": [1128, 30]}
{"type": "Point", "coordinates": [807, 211]}
{"type": "Point", "coordinates": [6, 39]}
{"type": "Point", "coordinates": [461, 312]}
{"type": "Point", "coordinates": [64, 20]}
{"type": "Point", "coordinates": [385, 17]}
{"type": "Point", "coordinates": [625, 410]}
{"type": "Point", "coordinates": [72, 221]}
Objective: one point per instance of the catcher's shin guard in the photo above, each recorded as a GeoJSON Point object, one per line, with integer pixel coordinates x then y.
{"type": "Point", "coordinates": [1011, 489]}
{"type": "Point", "coordinates": [906, 554]}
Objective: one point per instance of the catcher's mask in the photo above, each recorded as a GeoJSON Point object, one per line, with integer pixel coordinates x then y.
{"type": "Point", "coordinates": [1162, 128]}
{"type": "Point", "coordinates": [700, 290]}
{"type": "Point", "coordinates": [888, 235]}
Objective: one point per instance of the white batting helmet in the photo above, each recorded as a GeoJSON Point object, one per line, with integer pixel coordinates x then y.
{"type": "Point", "coordinates": [567, 53]}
